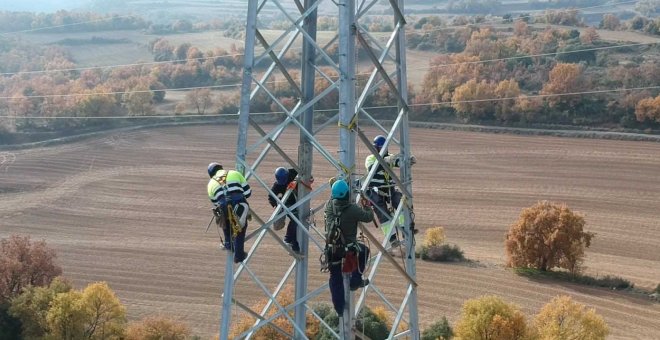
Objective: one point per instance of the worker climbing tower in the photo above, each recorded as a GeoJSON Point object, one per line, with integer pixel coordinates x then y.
{"type": "Point", "coordinates": [328, 75]}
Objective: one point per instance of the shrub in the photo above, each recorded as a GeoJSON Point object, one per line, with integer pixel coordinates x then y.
{"type": "Point", "coordinates": [490, 318]}
{"type": "Point", "coordinates": [367, 322]}
{"type": "Point", "coordinates": [445, 253]}
{"type": "Point", "coordinates": [607, 281]}
{"type": "Point", "coordinates": [158, 328]}
{"type": "Point", "coordinates": [434, 249]}
{"type": "Point", "coordinates": [547, 235]}
{"type": "Point", "coordinates": [439, 330]}
{"type": "Point", "coordinates": [562, 318]}
{"type": "Point", "coordinates": [24, 263]}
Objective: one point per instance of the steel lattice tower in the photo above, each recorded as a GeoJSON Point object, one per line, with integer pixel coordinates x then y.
{"type": "Point", "coordinates": [387, 68]}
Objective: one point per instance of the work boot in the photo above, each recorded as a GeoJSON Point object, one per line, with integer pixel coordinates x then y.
{"type": "Point", "coordinates": [356, 286]}
{"type": "Point", "coordinates": [239, 257]}
{"type": "Point", "coordinates": [295, 247]}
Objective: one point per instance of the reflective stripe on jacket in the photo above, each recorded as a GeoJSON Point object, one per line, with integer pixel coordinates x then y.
{"type": "Point", "coordinates": [380, 178]}
{"type": "Point", "coordinates": [229, 182]}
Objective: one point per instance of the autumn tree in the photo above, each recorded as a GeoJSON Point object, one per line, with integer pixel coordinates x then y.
{"type": "Point", "coordinates": [94, 313]}
{"type": "Point", "coordinates": [610, 22]}
{"type": "Point", "coordinates": [564, 78]}
{"type": "Point", "coordinates": [508, 91]}
{"type": "Point", "coordinates": [24, 263]}
{"type": "Point", "coordinates": [470, 100]}
{"type": "Point", "coordinates": [547, 235]}
{"type": "Point", "coordinates": [31, 307]}
{"type": "Point", "coordinates": [562, 318]}
{"type": "Point", "coordinates": [521, 28]}
{"type": "Point", "coordinates": [589, 36]}
{"type": "Point", "coordinates": [490, 318]}
{"type": "Point", "coordinates": [157, 328]}
{"type": "Point", "coordinates": [199, 99]}
{"type": "Point", "coordinates": [648, 108]}
{"type": "Point", "coordinates": [138, 101]}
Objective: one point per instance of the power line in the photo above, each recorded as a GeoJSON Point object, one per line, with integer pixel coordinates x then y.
{"type": "Point", "coordinates": [366, 108]}
{"type": "Point", "coordinates": [534, 55]}
{"type": "Point", "coordinates": [364, 73]}
{"type": "Point", "coordinates": [241, 54]}
{"type": "Point", "coordinates": [119, 65]}
{"type": "Point", "coordinates": [67, 25]}
{"type": "Point", "coordinates": [121, 92]}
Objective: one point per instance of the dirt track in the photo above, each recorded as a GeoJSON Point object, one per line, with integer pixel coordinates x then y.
{"type": "Point", "coordinates": [130, 209]}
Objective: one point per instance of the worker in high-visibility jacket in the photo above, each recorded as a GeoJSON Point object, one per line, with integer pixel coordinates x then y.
{"type": "Point", "coordinates": [228, 188]}
{"type": "Point", "coordinates": [381, 189]}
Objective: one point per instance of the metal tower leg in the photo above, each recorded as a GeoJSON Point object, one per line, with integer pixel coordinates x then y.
{"type": "Point", "coordinates": [305, 158]}
{"type": "Point", "coordinates": [346, 115]}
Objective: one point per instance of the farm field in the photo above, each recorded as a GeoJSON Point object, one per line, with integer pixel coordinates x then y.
{"type": "Point", "coordinates": [130, 208]}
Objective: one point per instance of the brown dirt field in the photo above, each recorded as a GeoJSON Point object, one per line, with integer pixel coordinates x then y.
{"type": "Point", "coordinates": [130, 208]}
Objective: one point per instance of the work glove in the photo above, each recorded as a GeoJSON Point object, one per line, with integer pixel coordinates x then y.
{"type": "Point", "coordinates": [413, 160]}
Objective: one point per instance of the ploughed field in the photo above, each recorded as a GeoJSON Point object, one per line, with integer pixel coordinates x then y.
{"type": "Point", "coordinates": [130, 208]}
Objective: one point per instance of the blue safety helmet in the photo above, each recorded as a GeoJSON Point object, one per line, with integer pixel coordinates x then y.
{"type": "Point", "coordinates": [340, 190]}
{"type": "Point", "coordinates": [213, 168]}
{"type": "Point", "coordinates": [379, 141]}
{"type": "Point", "coordinates": [282, 176]}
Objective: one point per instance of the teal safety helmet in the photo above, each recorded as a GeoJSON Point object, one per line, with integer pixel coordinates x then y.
{"type": "Point", "coordinates": [340, 190]}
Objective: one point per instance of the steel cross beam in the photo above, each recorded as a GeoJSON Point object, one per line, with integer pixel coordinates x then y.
{"type": "Point", "coordinates": [388, 59]}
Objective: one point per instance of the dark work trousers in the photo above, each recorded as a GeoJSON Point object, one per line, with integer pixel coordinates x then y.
{"type": "Point", "coordinates": [291, 235]}
{"type": "Point", "coordinates": [382, 211]}
{"type": "Point", "coordinates": [336, 281]}
{"type": "Point", "coordinates": [236, 244]}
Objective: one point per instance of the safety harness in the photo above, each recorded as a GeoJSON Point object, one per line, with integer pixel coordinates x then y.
{"type": "Point", "coordinates": [231, 214]}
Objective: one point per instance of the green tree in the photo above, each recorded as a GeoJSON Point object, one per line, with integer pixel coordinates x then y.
{"type": "Point", "coordinates": [105, 315]}
{"type": "Point", "coordinates": [562, 318]}
{"type": "Point", "coordinates": [31, 307]}
{"type": "Point", "coordinates": [490, 318]}
{"type": "Point", "coordinates": [547, 235]}
{"type": "Point", "coordinates": [438, 331]}
{"type": "Point", "coordinates": [65, 318]}
{"type": "Point", "coordinates": [94, 314]}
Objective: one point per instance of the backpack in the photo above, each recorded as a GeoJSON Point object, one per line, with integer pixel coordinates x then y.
{"type": "Point", "coordinates": [335, 244]}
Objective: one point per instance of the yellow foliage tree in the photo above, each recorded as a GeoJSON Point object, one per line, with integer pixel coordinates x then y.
{"type": "Point", "coordinates": [469, 100]}
{"type": "Point", "coordinates": [434, 237]}
{"type": "Point", "coordinates": [547, 235]}
{"type": "Point", "coordinates": [157, 328]}
{"type": "Point", "coordinates": [562, 318]}
{"type": "Point", "coordinates": [506, 109]}
{"type": "Point", "coordinates": [94, 313]}
{"type": "Point", "coordinates": [490, 318]}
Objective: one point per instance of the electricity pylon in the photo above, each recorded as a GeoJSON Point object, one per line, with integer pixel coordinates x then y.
{"type": "Point", "coordinates": [386, 56]}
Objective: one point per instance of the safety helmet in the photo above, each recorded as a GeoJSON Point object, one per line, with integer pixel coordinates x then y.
{"type": "Point", "coordinates": [379, 141]}
{"type": "Point", "coordinates": [340, 190]}
{"type": "Point", "coordinates": [282, 176]}
{"type": "Point", "coordinates": [213, 168]}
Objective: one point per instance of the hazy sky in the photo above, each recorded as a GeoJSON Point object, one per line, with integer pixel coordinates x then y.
{"type": "Point", "coordinates": [40, 5]}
